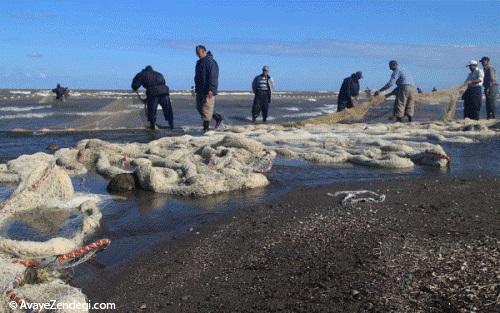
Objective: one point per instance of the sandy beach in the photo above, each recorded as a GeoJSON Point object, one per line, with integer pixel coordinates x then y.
{"type": "Point", "coordinates": [432, 246]}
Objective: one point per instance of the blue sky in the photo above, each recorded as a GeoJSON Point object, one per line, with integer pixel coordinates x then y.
{"type": "Point", "coordinates": [309, 45]}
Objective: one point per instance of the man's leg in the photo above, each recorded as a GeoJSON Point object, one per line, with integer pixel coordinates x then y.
{"type": "Point", "coordinates": [152, 107]}
{"type": "Point", "coordinates": [255, 107]}
{"type": "Point", "coordinates": [410, 102]}
{"type": "Point", "coordinates": [400, 104]}
{"type": "Point", "coordinates": [205, 110]}
{"type": "Point", "coordinates": [491, 99]}
{"type": "Point", "coordinates": [341, 106]}
{"type": "Point", "coordinates": [265, 108]}
{"type": "Point", "coordinates": [216, 116]}
{"type": "Point", "coordinates": [478, 103]}
{"type": "Point", "coordinates": [168, 113]}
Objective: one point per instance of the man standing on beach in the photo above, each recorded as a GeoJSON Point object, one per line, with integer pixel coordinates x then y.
{"type": "Point", "coordinates": [490, 85]}
{"type": "Point", "coordinates": [349, 92]}
{"type": "Point", "coordinates": [206, 82]}
{"type": "Point", "coordinates": [157, 92]}
{"type": "Point", "coordinates": [472, 96]}
{"type": "Point", "coordinates": [262, 87]}
{"type": "Point", "coordinates": [405, 95]}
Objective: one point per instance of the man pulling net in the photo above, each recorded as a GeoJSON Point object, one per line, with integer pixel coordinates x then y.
{"type": "Point", "coordinates": [157, 92]}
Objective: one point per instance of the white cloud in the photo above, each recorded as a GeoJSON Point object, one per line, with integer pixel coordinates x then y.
{"type": "Point", "coordinates": [443, 56]}
{"type": "Point", "coordinates": [35, 55]}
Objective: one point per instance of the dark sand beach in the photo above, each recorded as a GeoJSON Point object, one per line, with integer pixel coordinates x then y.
{"type": "Point", "coordinates": [432, 246]}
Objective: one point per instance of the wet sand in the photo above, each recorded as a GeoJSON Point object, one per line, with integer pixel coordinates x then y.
{"type": "Point", "coordinates": [432, 246]}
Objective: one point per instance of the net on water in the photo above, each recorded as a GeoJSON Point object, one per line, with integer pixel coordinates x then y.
{"type": "Point", "coordinates": [447, 98]}
{"type": "Point", "coordinates": [125, 113]}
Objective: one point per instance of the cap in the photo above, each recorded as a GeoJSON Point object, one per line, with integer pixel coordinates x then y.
{"type": "Point", "coordinates": [359, 74]}
{"type": "Point", "coordinates": [472, 62]}
{"type": "Point", "coordinates": [265, 68]}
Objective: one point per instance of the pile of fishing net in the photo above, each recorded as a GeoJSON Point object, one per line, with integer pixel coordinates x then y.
{"type": "Point", "coordinates": [32, 271]}
{"type": "Point", "coordinates": [384, 145]}
{"type": "Point", "coordinates": [184, 165]}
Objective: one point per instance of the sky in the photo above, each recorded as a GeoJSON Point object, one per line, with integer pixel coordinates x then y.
{"type": "Point", "coordinates": [309, 45]}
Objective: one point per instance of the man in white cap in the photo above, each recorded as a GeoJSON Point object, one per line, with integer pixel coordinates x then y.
{"type": "Point", "coordinates": [473, 96]}
{"type": "Point", "coordinates": [262, 87]}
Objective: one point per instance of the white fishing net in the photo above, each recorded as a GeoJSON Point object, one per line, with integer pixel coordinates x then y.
{"type": "Point", "coordinates": [42, 186]}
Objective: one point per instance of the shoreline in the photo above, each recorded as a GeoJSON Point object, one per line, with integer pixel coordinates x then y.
{"type": "Point", "coordinates": [304, 252]}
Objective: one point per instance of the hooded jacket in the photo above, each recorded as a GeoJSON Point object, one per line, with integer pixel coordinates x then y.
{"type": "Point", "coordinates": [59, 91]}
{"type": "Point", "coordinates": [206, 76]}
{"type": "Point", "coordinates": [349, 88]}
{"type": "Point", "coordinates": [151, 80]}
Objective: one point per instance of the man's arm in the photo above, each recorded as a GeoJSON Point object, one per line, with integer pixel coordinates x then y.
{"type": "Point", "coordinates": [479, 79]}
{"type": "Point", "coordinates": [394, 77]}
{"type": "Point", "coordinates": [137, 82]}
{"type": "Point", "coordinates": [213, 77]}
{"type": "Point", "coordinates": [254, 85]}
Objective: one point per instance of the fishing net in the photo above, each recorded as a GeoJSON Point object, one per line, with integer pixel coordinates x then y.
{"type": "Point", "coordinates": [447, 98]}
{"type": "Point", "coordinates": [124, 113]}
{"type": "Point", "coordinates": [43, 186]}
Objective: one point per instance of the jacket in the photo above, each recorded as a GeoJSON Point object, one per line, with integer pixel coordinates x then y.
{"type": "Point", "coordinates": [151, 80]}
{"type": "Point", "coordinates": [255, 84]}
{"type": "Point", "coordinates": [348, 89]}
{"type": "Point", "coordinates": [206, 76]}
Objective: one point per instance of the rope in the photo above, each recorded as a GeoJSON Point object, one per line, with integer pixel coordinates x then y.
{"type": "Point", "coordinates": [11, 294]}
{"type": "Point", "coordinates": [70, 259]}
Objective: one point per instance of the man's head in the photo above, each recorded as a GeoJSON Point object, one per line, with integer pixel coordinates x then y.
{"type": "Point", "coordinates": [358, 75]}
{"type": "Point", "coordinates": [265, 70]}
{"type": "Point", "coordinates": [393, 64]}
{"type": "Point", "coordinates": [485, 61]}
{"type": "Point", "coordinates": [58, 85]}
{"type": "Point", "coordinates": [472, 65]}
{"type": "Point", "coordinates": [201, 51]}
{"type": "Point", "coordinates": [148, 68]}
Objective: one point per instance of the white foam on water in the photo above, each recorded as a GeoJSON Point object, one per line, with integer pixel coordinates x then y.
{"type": "Point", "coordinates": [24, 109]}
{"type": "Point", "coordinates": [295, 109]}
{"type": "Point", "coordinates": [44, 115]}
{"type": "Point", "coordinates": [304, 114]}
{"type": "Point", "coordinates": [20, 92]}
{"type": "Point", "coordinates": [312, 100]}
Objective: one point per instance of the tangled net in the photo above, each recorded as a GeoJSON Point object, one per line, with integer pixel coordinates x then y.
{"type": "Point", "coordinates": [31, 270]}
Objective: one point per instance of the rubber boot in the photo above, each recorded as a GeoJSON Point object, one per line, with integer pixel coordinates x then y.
{"type": "Point", "coordinates": [409, 119]}
{"type": "Point", "coordinates": [218, 120]}
{"type": "Point", "coordinates": [206, 126]}
{"type": "Point", "coordinates": [399, 119]}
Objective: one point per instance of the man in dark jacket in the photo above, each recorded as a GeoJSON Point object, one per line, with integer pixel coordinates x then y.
{"type": "Point", "coordinates": [349, 92]}
{"type": "Point", "coordinates": [157, 92]}
{"type": "Point", "coordinates": [60, 92]}
{"type": "Point", "coordinates": [206, 81]}
{"type": "Point", "coordinates": [490, 85]}
{"type": "Point", "coordinates": [262, 87]}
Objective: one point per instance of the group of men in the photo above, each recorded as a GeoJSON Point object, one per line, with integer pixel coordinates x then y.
{"type": "Point", "coordinates": [205, 90]}
{"type": "Point", "coordinates": [472, 96]}
{"type": "Point", "coordinates": [404, 105]}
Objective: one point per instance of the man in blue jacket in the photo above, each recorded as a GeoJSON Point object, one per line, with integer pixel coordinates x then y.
{"type": "Point", "coordinates": [157, 92]}
{"type": "Point", "coordinates": [405, 91]}
{"type": "Point", "coordinates": [206, 81]}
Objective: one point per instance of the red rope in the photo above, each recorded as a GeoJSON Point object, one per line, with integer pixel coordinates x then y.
{"type": "Point", "coordinates": [100, 244]}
